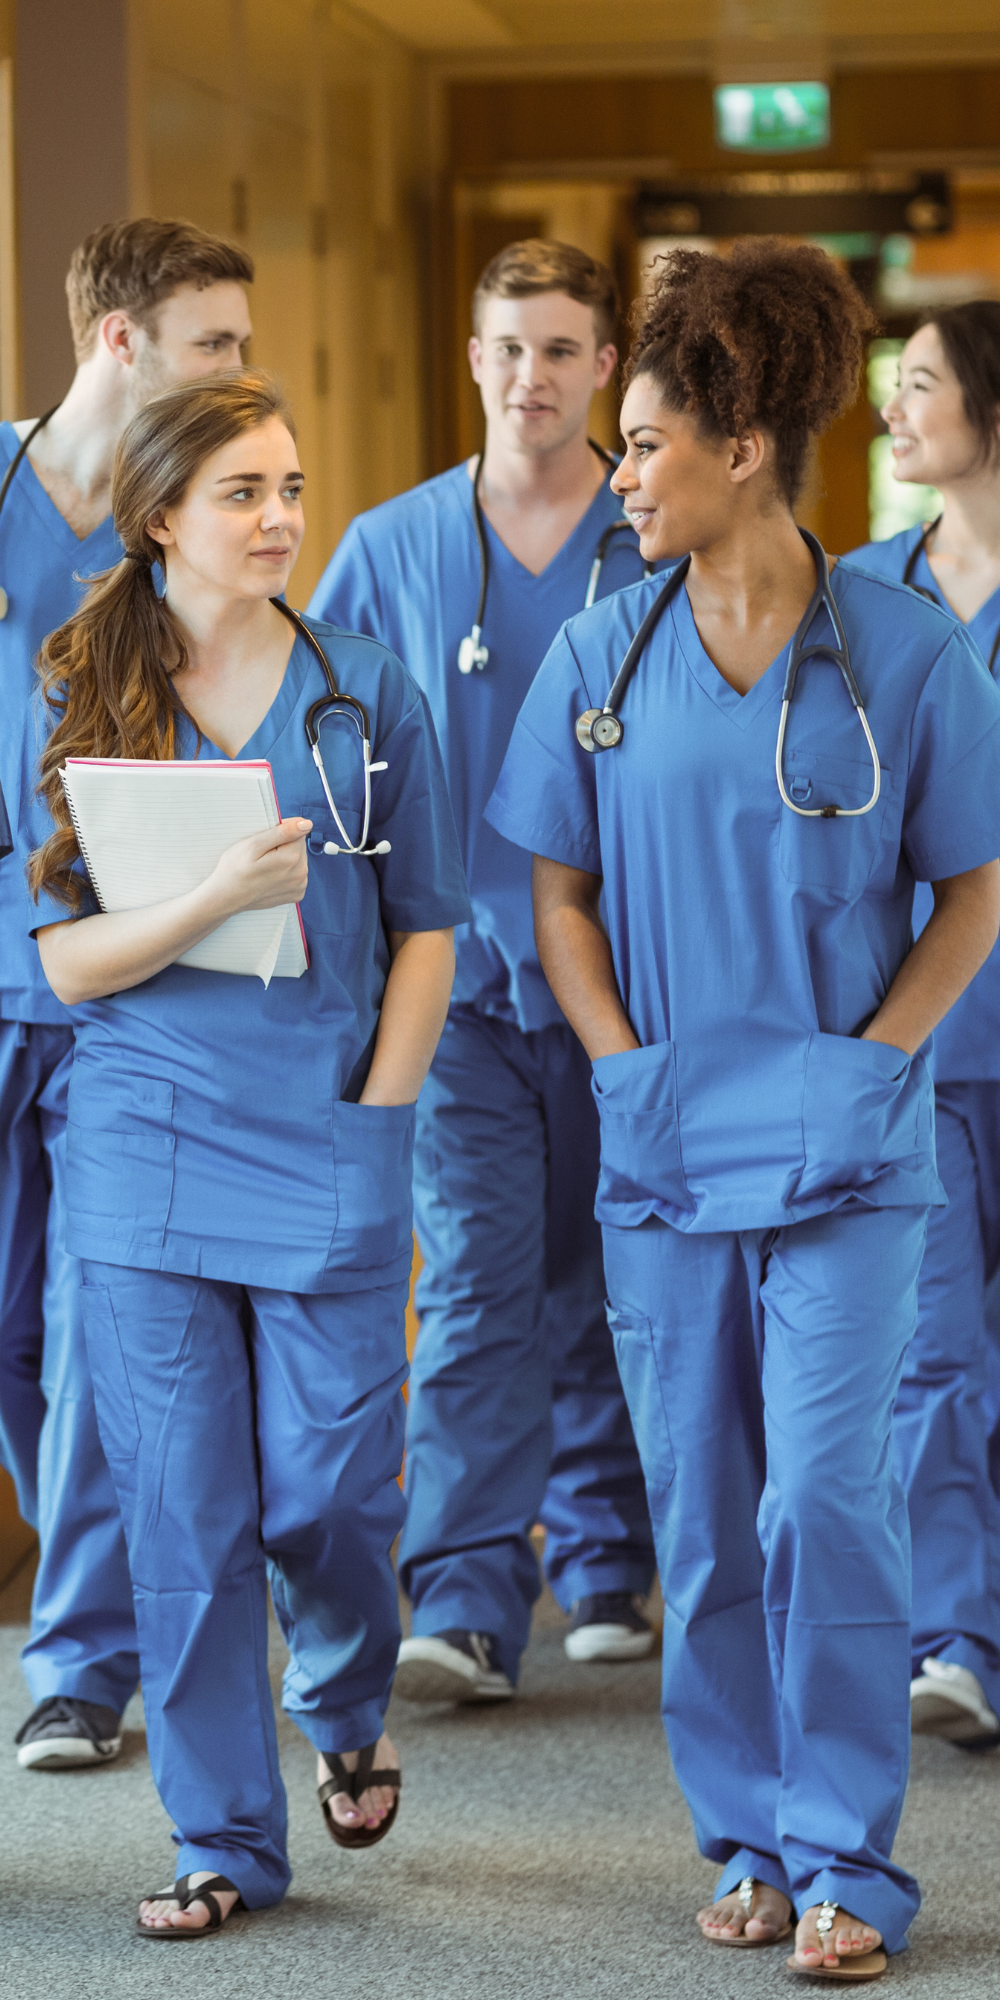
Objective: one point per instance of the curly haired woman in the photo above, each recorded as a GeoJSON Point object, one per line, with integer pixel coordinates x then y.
{"type": "Point", "coordinates": [756, 1013]}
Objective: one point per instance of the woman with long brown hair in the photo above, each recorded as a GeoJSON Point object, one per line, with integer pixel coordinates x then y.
{"type": "Point", "coordinates": [239, 1156]}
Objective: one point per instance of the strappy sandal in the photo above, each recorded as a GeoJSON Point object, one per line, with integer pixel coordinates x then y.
{"type": "Point", "coordinates": [183, 1895]}
{"type": "Point", "coordinates": [354, 1783]}
{"type": "Point", "coordinates": [870, 1965]}
{"type": "Point", "coordinates": [745, 1894]}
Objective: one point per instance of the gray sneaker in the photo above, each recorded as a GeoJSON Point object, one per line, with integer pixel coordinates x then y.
{"type": "Point", "coordinates": [63, 1733]}
{"type": "Point", "coordinates": [451, 1666]}
{"type": "Point", "coordinates": [948, 1701]}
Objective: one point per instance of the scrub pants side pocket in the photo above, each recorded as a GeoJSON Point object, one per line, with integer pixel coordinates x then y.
{"type": "Point", "coordinates": [641, 1167]}
{"type": "Point", "coordinates": [373, 1165]}
{"type": "Point", "coordinates": [635, 1351]}
{"type": "Point", "coordinates": [117, 1418]}
{"type": "Point", "coordinates": [867, 1106]}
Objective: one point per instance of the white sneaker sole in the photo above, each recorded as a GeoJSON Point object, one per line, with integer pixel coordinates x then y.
{"type": "Point", "coordinates": [66, 1753]}
{"type": "Point", "coordinates": [431, 1670]}
{"type": "Point", "coordinates": [934, 1711]}
{"type": "Point", "coordinates": [608, 1642]}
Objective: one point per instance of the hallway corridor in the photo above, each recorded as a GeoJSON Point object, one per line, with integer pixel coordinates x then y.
{"type": "Point", "coordinates": [543, 1853]}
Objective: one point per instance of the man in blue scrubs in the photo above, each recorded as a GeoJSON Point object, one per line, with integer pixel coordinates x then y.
{"type": "Point", "coordinates": [516, 1409]}
{"type": "Point", "coordinates": [150, 303]}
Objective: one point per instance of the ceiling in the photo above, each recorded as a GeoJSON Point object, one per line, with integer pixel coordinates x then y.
{"type": "Point", "coordinates": [699, 31]}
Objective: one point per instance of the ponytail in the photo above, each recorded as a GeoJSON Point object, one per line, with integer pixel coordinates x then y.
{"type": "Point", "coordinates": [106, 678]}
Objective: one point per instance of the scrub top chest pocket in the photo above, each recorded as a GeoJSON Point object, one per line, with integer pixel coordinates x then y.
{"type": "Point", "coordinates": [840, 854]}
{"type": "Point", "coordinates": [340, 885]}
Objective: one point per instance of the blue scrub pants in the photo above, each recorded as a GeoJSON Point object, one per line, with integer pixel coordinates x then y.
{"type": "Point", "coordinates": [941, 1426]}
{"type": "Point", "coordinates": [83, 1641]}
{"type": "Point", "coordinates": [761, 1371]}
{"type": "Point", "coordinates": [250, 1430]}
{"type": "Point", "coordinates": [516, 1409]}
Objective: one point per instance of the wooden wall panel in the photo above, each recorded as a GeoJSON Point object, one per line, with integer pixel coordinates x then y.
{"type": "Point", "coordinates": [498, 122]}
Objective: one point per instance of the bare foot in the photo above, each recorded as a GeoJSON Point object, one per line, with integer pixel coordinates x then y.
{"type": "Point", "coordinates": [376, 1802]}
{"type": "Point", "coordinates": [728, 1919]}
{"type": "Point", "coordinates": [846, 1938]}
{"type": "Point", "coordinates": [161, 1913]}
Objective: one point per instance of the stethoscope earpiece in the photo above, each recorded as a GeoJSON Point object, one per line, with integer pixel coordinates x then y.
{"type": "Point", "coordinates": [380, 847]}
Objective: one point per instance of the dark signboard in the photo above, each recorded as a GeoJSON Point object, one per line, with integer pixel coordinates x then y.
{"type": "Point", "coordinates": [798, 204]}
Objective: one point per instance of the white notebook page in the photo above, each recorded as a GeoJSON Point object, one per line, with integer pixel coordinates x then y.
{"type": "Point", "coordinates": [149, 830]}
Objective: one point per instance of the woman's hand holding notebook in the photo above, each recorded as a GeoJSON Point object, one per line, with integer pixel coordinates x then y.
{"type": "Point", "coordinates": [151, 830]}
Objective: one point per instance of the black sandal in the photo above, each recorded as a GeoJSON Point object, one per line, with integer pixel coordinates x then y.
{"type": "Point", "coordinates": [354, 1783]}
{"type": "Point", "coordinates": [184, 1896]}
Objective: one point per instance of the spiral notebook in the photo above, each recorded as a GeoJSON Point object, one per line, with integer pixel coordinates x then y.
{"type": "Point", "coordinates": [149, 830]}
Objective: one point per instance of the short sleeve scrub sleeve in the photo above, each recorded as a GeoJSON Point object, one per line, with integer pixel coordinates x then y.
{"type": "Point", "coordinates": [214, 1127]}
{"type": "Point", "coordinates": [751, 945]}
{"type": "Point", "coordinates": [967, 1042]}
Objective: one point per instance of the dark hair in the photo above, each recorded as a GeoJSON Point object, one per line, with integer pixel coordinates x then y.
{"type": "Point", "coordinates": [537, 265]}
{"type": "Point", "coordinates": [133, 266]}
{"type": "Point", "coordinates": [107, 673]}
{"type": "Point", "coordinates": [970, 336]}
{"type": "Point", "coordinates": [772, 336]}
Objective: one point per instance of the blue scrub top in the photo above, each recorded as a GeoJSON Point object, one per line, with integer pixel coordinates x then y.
{"type": "Point", "coordinates": [44, 569]}
{"type": "Point", "coordinates": [214, 1127]}
{"type": "Point", "coordinates": [967, 1043]}
{"type": "Point", "coordinates": [751, 945]}
{"type": "Point", "coordinates": [408, 574]}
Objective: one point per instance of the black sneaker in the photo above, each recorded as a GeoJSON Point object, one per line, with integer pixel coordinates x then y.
{"type": "Point", "coordinates": [610, 1626]}
{"type": "Point", "coordinates": [63, 1732]}
{"type": "Point", "coordinates": [451, 1666]}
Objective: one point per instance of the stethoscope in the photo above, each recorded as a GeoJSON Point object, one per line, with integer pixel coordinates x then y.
{"type": "Point", "coordinates": [472, 652]}
{"type": "Point", "coordinates": [8, 478]}
{"type": "Point", "coordinates": [603, 728]}
{"type": "Point", "coordinates": [350, 710]}
{"type": "Point", "coordinates": [911, 563]}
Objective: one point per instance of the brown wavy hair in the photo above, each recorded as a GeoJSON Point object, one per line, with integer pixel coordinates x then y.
{"type": "Point", "coordinates": [773, 336]}
{"type": "Point", "coordinates": [107, 674]}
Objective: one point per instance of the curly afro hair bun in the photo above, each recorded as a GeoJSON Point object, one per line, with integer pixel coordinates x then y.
{"type": "Point", "coordinates": [771, 337]}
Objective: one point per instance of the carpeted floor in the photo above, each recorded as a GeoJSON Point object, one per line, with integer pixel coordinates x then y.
{"type": "Point", "coordinates": [543, 1852]}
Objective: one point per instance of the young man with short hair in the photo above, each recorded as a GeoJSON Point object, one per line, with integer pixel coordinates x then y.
{"type": "Point", "coordinates": [516, 1410]}
{"type": "Point", "coordinates": [150, 303]}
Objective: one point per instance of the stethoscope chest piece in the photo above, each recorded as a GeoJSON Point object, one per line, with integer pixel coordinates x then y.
{"type": "Point", "coordinates": [471, 652]}
{"type": "Point", "coordinates": [597, 730]}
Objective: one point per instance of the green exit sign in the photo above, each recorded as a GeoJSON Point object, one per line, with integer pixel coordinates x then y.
{"type": "Point", "coordinates": [772, 117]}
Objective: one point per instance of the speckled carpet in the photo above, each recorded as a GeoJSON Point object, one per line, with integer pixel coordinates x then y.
{"type": "Point", "coordinates": [543, 1852]}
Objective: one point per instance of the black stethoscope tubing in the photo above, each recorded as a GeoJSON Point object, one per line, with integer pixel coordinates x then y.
{"type": "Point", "coordinates": [472, 652]}
{"type": "Point", "coordinates": [920, 549]}
{"type": "Point", "coordinates": [602, 728]}
{"type": "Point", "coordinates": [5, 484]}
{"type": "Point", "coordinates": [335, 702]}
